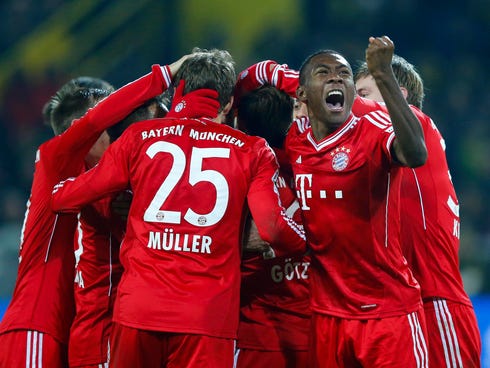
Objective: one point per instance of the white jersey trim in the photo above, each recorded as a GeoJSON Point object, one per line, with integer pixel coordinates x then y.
{"type": "Point", "coordinates": [330, 141]}
{"type": "Point", "coordinates": [166, 75]}
{"type": "Point", "coordinates": [386, 209]}
{"type": "Point", "coordinates": [34, 349]}
{"type": "Point", "coordinates": [448, 334]}
{"type": "Point", "coordinates": [235, 357]}
{"type": "Point", "coordinates": [419, 345]}
{"type": "Point", "coordinates": [419, 191]}
{"type": "Point", "coordinates": [51, 238]}
{"type": "Point", "coordinates": [302, 124]}
{"type": "Point", "coordinates": [261, 72]}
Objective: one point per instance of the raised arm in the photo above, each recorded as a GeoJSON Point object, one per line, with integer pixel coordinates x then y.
{"type": "Point", "coordinates": [409, 145]}
{"type": "Point", "coordinates": [79, 138]}
{"type": "Point", "coordinates": [267, 72]}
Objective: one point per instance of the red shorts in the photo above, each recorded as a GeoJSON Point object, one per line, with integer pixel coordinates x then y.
{"type": "Point", "coordinates": [27, 348]}
{"type": "Point", "coordinates": [452, 334]}
{"type": "Point", "coordinates": [246, 358]}
{"type": "Point", "coordinates": [131, 347]}
{"type": "Point", "coordinates": [394, 342]}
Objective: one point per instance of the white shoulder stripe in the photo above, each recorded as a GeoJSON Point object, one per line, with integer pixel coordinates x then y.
{"type": "Point", "coordinates": [379, 120]}
{"type": "Point", "coordinates": [302, 123]}
{"type": "Point", "coordinates": [382, 116]}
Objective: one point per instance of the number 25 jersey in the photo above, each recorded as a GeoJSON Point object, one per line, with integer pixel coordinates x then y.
{"type": "Point", "coordinates": [190, 179]}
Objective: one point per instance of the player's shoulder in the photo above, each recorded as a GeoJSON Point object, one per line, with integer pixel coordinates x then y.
{"type": "Point", "coordinates": [299, 125]}
{"type": "Point", "coordinates": [50, 147]}
{"type": "Point", "coordinates": [422, 116]}
{"type": "Point", "coordinates": [373, 112]}
{"type": "Point", "coordinates": [363, 106]}
{"type": "Point", "coordinates": [377, 119]}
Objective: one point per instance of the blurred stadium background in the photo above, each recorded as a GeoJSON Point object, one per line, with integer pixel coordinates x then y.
{"type": "Point", "coordinates": [46, 42]}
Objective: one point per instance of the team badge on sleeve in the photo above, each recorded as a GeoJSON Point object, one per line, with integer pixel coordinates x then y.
{"type": "Point", "coordinates": [340, 158]}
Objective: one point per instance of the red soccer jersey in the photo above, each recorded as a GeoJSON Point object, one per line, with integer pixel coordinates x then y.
{"type": "Point", "coordinates": [348, 189]}
{"type": "Point", "coordinates": [181, 252]}
{"type": "Point", "coordinates": [430, 222]}
{"type": "Point", "coordinates": [97, 274]}
{"type": "Point", "coordinates": [274, 297]}
{"type": "Point", "coordinates": [43, 294]}
{"type": "Point", "coordinates": [430, 226]}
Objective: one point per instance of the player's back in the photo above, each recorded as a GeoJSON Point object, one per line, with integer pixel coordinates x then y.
{"type": "Point", "coordinates": [189, 180]}
{"type": "Point", "coordinates": [431, 231]}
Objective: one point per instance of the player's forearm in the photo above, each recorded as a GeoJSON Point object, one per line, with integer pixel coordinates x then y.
{"type": "Point", "coordinates": [123, 101]}
{"type": "Point", "coordinates": [67, 197]}
{"type": "Point", "coordinates": [85, 131]}
{"type": "Point", "coordinates": [283, 234]}
{"type": "Point", "coordinates": [268, 72]}
{"type": "Point", "coordinates": [409, 144]}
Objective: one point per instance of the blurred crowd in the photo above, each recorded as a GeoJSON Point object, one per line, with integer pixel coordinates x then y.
{"type": "Point", "coordinates": [449, 43]}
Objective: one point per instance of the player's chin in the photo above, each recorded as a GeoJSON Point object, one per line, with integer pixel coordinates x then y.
{"type": "Point", "coordinates": [337, 116]}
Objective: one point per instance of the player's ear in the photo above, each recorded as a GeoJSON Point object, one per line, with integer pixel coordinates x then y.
{"type": "Point", "coordinates": [228, 106]}
{"type": "Point", "coordinates": [404, 92]}
{"type": "Point", "coordinates": [301, 93]}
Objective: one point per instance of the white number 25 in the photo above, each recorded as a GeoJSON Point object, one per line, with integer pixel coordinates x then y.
{"type": "Point", "coordinates": [154, 213]}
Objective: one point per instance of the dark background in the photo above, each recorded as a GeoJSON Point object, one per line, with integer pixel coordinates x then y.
{"type": "Point", "coordinates": [45, 43]}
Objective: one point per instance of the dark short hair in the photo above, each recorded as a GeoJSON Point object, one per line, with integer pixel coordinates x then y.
{"type": "Point", "coordinates": [406, 75]}
{"type": "Point", "coordinates": [306, 63]}
{"type": "Point", "coordinates": [266, 112]}
{"type": "Point", "coordinates": [73, 100]}
{"type": "Point", "coordinates": [213, 69]}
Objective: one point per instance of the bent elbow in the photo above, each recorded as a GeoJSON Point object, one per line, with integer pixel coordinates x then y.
{"type": "Point", "coordinates": [419, 158]}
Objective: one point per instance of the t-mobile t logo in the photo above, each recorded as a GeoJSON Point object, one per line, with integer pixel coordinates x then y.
{"type": "Point", "coordinates": [303, 183]}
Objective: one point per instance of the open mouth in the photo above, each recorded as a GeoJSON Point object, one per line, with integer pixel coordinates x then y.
{"type": "Point", "coordinates": [335, 100]}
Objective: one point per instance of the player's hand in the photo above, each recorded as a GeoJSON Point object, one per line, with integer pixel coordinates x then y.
{"type": "Point", "coordinates": [200, 103]}
{"type": "Point", "coordinates": [379, 54]}
{"type": "Point", "coordinates": [121, 204]}
{"type": "Point", "coordinates": [175, 66]}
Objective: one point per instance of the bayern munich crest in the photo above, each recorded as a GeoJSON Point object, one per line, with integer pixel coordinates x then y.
{"type": "Point", "coordinates": [340, 158]}
{"type": "Point", "coordinates": [180, 106]}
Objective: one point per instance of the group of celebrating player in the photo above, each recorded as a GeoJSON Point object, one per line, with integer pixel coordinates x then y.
{"type": "Point", "coordinates": [216, 233]}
